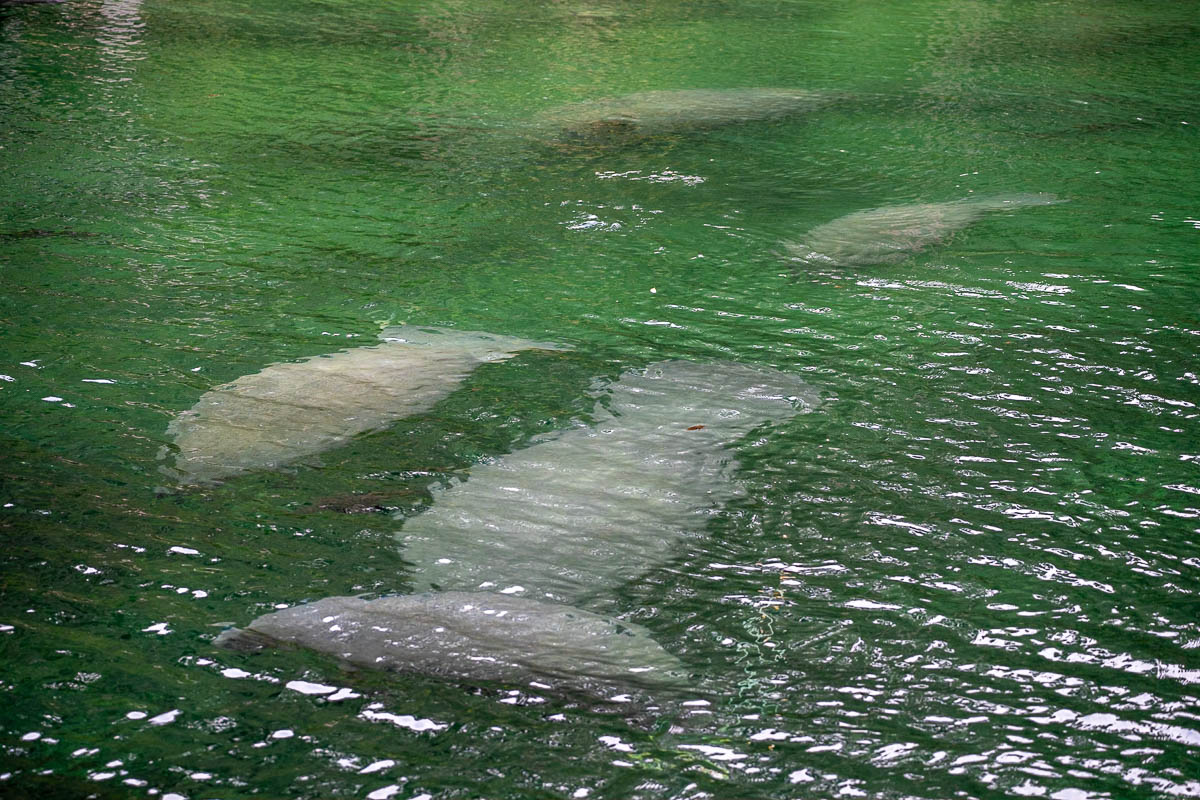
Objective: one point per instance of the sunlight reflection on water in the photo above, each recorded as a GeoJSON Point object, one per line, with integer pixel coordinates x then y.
{"type": "Point", "coordinates": [973, 574]}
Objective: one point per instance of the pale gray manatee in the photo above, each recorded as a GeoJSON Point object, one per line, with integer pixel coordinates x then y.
{"type": "Point", "coordinates": [654, 113]}
{"type": "Point", "coordinates": [543, 533]}
{"type": "Point", "coordinates": [584, 510]}
{"type": "Point", "coordinates": [891, 234]}
{"type": "Point", "coordinates": [466, 637]}
{"type": "Point", "coordinates": [296, 409]}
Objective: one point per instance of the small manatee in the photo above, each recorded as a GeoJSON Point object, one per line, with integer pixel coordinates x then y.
{"type": "Point", "coordinates": [891, 234]}
{"type": "Point", "coordinates": [654, 113]}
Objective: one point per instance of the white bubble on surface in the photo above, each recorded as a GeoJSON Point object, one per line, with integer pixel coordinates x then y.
{"type": "Point", "coordinates": [384, 793]}
{"type": "Point", "coordinates": [304, 687]}
{"type": "Point", "coordinates": [165, 718]}
{"type": "Point", "coordinates": [377, 766]}
{"type": "Point", "coordinates": [400, 720]}
{"type": "Point", "coordinates": [715, 753]}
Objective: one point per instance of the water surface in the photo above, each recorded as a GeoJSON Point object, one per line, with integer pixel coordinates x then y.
{"type": "Point", "coordinates": [974, 572]}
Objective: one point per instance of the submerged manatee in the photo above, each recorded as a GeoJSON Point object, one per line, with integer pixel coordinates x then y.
{"type": "Point", "coordinates": [586, 510]}
{"type": "Point", "coordinates": [661, 112]}
{"type": "Point", "coordinates": [510, 556]}
{"type": "Point", "coordinates": [296, 409]}
{"type": "Point", "coordinates": [890, 234]}
{"type": "Point", "coordinates": [473, 637]}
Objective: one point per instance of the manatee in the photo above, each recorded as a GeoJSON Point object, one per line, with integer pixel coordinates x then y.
{"type": "Point", "coordinates": [296, 409]}
{"type": "Point", "coordinates": [654, 113]}
{"type": "Point", "coordinates": [583, 511]}
{"type": "Point", "coordinates": [508, 561]}
{"type": "Point", "coordinates": [890, 234]}
{"type": "Point", "coordinates": [469, 637]}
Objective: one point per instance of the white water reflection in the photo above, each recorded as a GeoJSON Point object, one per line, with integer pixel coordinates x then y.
{"type": "Point", "coordinates": [664, 176]}
{"type": "Point", "coordinates": [121, 34]}
{"type": "Point", "coordinates": [857, 588]}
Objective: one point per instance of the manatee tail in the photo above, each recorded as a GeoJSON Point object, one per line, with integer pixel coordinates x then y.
{"type": "Point", "coordinates": [1014, 200]}
{"type": "Point", "coordinates": [482, 345]}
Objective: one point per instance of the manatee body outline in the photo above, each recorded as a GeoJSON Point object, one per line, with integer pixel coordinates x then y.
{"type": "Point", "coordinates": [664, 111]}
{"type": "Point", "coordinates": [294, 409]}
{"type": "Point", "coordinates": [584, 510]}
{"type": "Point", "coordinates": [473, 637]}
{"type": "Point", "coordinates": [891, 234]}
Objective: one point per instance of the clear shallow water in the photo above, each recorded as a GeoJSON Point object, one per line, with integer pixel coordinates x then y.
{"type": "Point", "coordinates": [972, 573]}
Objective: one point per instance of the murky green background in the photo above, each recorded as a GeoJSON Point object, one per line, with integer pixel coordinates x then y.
{"type": "Point", "coordinates": [974, 573]}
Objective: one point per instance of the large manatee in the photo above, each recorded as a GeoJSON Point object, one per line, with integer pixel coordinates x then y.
{"type": "Point", "coordinates": [660, 112]}
{"type": "Point", "coordinates": [508, 559]}
{"type": "Point", "coordinates": [291, 410]}
{"type": "Point", "coordinates": [890, 234]}
{"type": "Point", "coordinates": [473, 637]}
{"type": "Point", "coordinates": [585, 510]}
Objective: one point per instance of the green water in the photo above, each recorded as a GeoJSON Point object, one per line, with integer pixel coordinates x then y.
{"type": "Point", "coordinates": [974, 572]}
